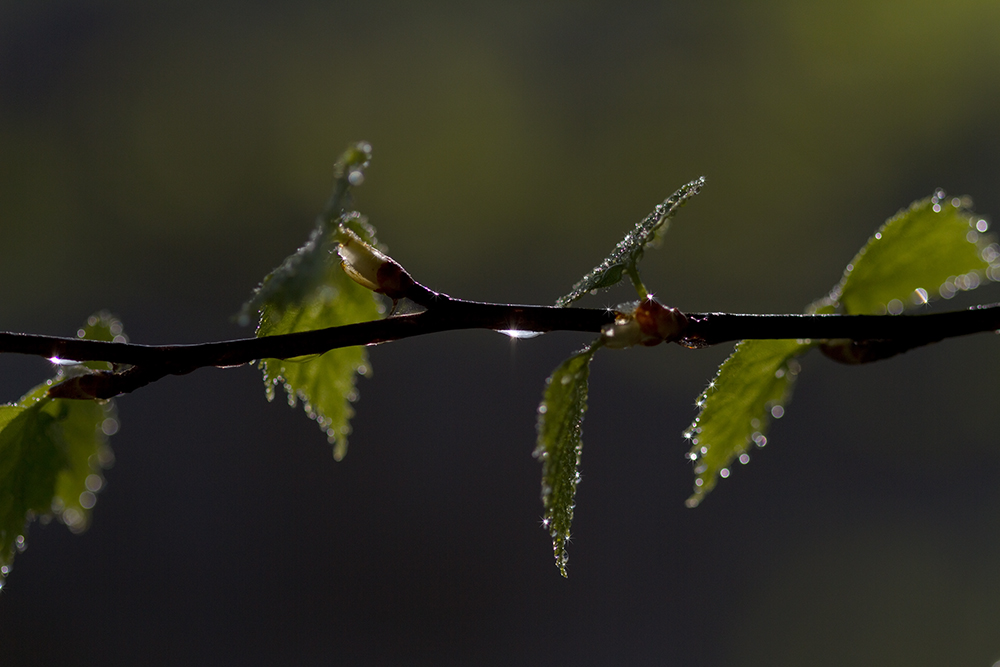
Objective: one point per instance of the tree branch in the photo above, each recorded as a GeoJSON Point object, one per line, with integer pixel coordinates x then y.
{"type": "Point", "coordinates": [893, 333]}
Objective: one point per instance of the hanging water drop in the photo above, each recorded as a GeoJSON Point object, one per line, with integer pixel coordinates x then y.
{"type": "Point", "coordinates": [520, 333]}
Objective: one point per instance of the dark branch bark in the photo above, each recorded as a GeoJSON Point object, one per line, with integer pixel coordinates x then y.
{"type": "Point", "coordinates": [149, 363]}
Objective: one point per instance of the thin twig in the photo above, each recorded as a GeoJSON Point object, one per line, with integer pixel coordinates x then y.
{"type": "Point", "coordinates": [444, 313]}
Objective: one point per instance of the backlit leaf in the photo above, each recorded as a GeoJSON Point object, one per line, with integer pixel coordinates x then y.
{"type": "Point", "coordinates": [560, 420]}
{"type": "Point", "coordinates": [311, 291]}
{"type": "Point", "coordinates": [52, 453]}
{"type": "Point", "coordinates": [629, 250]}
{"type": "Point", "coordinates": [751, 387]}
{"type": "Point", "coordinates": [934, 248]}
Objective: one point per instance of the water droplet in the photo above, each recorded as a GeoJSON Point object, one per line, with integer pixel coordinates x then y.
{"type": "Point", "coordinates": [93, 483]}
{"type": "Point", "coordinates": [895, 307]}
{"type": "Point", "coordinates": [356, 177]}
{"type": "Point", "coordinates": [20, 544]}
{"type": "Point", "coordinates": [878, 235]}
{"type": "Point", "coordinates": [724, 473]}
{"type": "Point", "coordinates": [777, 412]}
{"type": "Point", "coordinates": [936, 208]}
{"type": "Point", "coordinates": [919, 296]}
{"type": "Point", "coordinates": [982, 226]}
{"type": "Point", "coordinates": [744, 459]}
{"type": "Point", "coordinates": [105, 457]}
{"type": "Point", "coordinates": [972, 236]}
{"type": "Point", "coordinates": [87, 500]}
{"type": "Point", "coordinates": [72, 518]}
{"type": "Point", "coordinates": [520, 333]}
{"type": "Point", "coordinates": [699, 482]}
{"type": "Point", "coordinates": [704, 450]}
{"type": "Point", "coordinates": [110, 426]}
{"type": "Point", "coordinates": [566, 379]}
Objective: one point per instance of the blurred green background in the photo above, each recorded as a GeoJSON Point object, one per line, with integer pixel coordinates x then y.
{"type": "Point", "coordinates": [157, 159]}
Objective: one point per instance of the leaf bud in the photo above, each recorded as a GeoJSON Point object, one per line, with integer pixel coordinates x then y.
{"type": "Point", "coordinates": [372, 268]}
{"type": "Point", "coordinates": [651, 323]}
{"type": "Point", "coordinates": [659, 323]}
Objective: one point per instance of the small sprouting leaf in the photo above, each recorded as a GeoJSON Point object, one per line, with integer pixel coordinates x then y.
{"type": "Point", "coordinates": [324, 383]}
{"type": "Point", "coordinates": [629, 250]}
{"type": "Point", "coordinates": [560, 420]}
{"type": "Point", "coordinates": [934, 248]}
{"type": "Point", "coordinates": [52, 453]}
{"type": "Point", "coordinates": [751, 387]}
{"type": "Point", "coordinates": [311, 291]}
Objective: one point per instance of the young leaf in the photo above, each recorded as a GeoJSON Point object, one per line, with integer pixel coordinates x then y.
{"type": "Point", "coordinates": [324, 384]}
{"type": "Point", "coordinates": [311, 291]}
{"type": "Point", "coordinates": [752, 386]}
{"type": "Point", "coordinates": [52, 452]}
{"type": "Point", "coordinates": [934, 248]}
{"type": "Point", "coordinates": [629, 250]}
{"type": "Point", "coordinates": [560, 420]}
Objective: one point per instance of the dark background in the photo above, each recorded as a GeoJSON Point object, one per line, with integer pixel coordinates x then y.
{"type": "Point", "coordinates": [159, 159]}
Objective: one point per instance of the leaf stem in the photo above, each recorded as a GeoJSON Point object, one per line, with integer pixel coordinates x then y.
{"type": "Point", "coordinates": [633, 273]}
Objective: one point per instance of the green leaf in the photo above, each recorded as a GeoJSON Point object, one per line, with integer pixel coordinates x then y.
{"type": "Point", "coordinates": [310, 291]}
{"type": "Point", "coordinates": [933, 248]}
{"type": "Point", "coordinates": [629, 250]}
{"type": "Point", "coordinates": [751, 387]}
{"type": "Point", "coordinates": [560, 420]}
{"type": "Point", "coordinates": [52, 452]}
{"type": "Point", "coordinates": [325, 384]}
